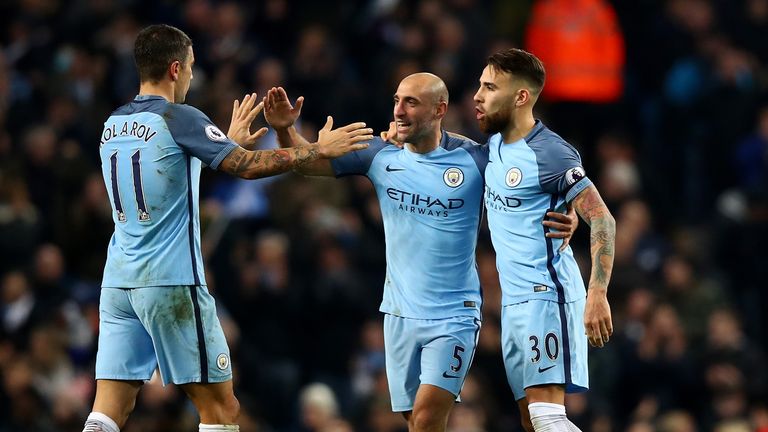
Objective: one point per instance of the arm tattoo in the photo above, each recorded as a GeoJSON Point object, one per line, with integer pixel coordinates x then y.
{"type": "Point", "coordinates": [281, 158]}
{"type": "Point", "coordinates": [602, 248]}
{"type": "Point", "coordinates": [308, 157]}
{"type": "Point", "coordinates": [591, 207]}
{"type": "Point", "coordinates": [263, 163]}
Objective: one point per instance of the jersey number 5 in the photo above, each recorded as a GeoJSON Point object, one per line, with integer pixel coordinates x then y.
{"type": "Point", "coordinates": [138, 188]}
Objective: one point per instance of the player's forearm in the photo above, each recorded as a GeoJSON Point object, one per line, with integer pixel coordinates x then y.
{"type": "Point", "coordinates": [590, 206]}
{"type": "Point", "coordinates": [263, 163]}
{"type": "Point", "coordinates": [290, 137]}
{"type": "Point", "coordinates": [602, 246]}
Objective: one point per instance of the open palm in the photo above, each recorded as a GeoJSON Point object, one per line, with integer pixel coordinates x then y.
{"type": "Point", "coordinates": [278, 110]}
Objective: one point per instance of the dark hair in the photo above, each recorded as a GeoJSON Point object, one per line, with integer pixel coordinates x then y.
{"type": "Point", "coordinates": [157, 46]}
{"type": "Point", "coordinates": [521, 64]}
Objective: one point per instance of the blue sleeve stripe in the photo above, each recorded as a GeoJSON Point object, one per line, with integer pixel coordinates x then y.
{"type": "Point", "coordinates": [577, 188]}
{"type": "Point", "coordinates": [222, 154]}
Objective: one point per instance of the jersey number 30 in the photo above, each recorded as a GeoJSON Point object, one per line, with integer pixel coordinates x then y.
{"type": "Point", "coordinates": [138, 188]}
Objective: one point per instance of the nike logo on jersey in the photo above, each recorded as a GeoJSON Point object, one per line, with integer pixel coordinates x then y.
{"type": "Point", "coordinates": [445, 375]}
{"type": "Point", "coordinates": [546, 368]}
{"type": "Point", "coordinates": [390, 169]}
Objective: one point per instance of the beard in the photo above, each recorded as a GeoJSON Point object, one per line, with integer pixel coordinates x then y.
{"type": "Point", "coordinates": [496, 122]}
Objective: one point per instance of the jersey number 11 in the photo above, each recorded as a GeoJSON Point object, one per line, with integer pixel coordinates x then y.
{"type": "Point", "coordinates": [138, 188]}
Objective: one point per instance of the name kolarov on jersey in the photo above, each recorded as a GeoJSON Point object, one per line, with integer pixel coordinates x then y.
{"type": "Point", "coordinates": [129, 128]}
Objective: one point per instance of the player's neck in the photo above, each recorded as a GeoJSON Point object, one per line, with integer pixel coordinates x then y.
{"type": "Point", "coordinates": [426, 145]}
{"type": "Point", "coordinates": [520, 126]}
{"type": "Point", "coordinates": [163, 89]}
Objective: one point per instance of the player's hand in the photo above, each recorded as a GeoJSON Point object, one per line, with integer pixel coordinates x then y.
{"type": "Point", "coordinates": [243, 115]}
{"type": "Point", "coordinates": [563, 224]}
{"type": "Point", "coordinates": [278, 111]}
{"type": "Point", "coordinates": [597, 318]}
{"type": "Point", "coordinates": [391, 135]}
{"type": "Point", "coordinates": [333, 143]}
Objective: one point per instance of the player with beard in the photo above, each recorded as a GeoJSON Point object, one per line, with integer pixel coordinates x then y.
{"type": "Point", "coordinates": [532, 171]}
{"type": "Point", "coordinates": [430, 193]}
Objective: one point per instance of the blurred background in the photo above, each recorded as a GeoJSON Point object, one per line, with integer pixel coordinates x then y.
{"type": "Point", "coordinates": [667, 101]}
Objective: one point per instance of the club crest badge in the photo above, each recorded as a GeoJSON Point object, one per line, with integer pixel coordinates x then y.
{"type": "Point", "coordinates": [453, 177]}
{"type": "Point", "coordinates": [514, 177]}
{"type": "Point", "coordinates": [222, 361]}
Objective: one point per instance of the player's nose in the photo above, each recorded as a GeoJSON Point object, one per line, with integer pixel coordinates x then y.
{"type": "Point", "coordinates": [477, 97]}
{"type": "Point", "coordinates": [399, 111]}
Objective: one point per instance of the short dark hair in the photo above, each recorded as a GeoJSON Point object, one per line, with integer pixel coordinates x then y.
{"type": "Point", "coordinates": [521, 64]}
{"type": "Point", "coordinates": [157, 46]}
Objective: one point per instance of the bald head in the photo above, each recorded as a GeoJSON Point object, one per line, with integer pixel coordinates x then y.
{"type": "Point", "coordinates": [431, 87]}
{"type": "Point", "coordinates": [421, 102]}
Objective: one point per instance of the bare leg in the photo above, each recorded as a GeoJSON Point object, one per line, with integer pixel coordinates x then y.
{"type": "Point", "coordinates": [216, 403]}
{"type": "Point", "coordinates": [431, 409]}
{"type": "Point", "coordinates": [116, 399]}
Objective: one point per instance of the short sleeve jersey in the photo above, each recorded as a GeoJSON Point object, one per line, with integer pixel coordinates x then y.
{"type": "Point", "coordinates": [431, 205]}
{"type": "Point", "coordinates": [152, 152]}
{"type": "Point", "coordinates": [524, 180]}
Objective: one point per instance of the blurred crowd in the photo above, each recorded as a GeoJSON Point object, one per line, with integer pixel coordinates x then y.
{"type": "Point", "coordinates": [297, 265]}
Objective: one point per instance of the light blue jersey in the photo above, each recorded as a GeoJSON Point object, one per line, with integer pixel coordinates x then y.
{"type": "Point", "coordinates": [152, 152]}
{"type": "Point", "coordinates": [431, 205]}
{"type": "Point", "coordinates": [525, 180]}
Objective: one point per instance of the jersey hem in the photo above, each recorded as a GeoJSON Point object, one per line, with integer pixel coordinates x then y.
{"type": "Point", "coordinates": [154, 284]}
{"type": "Point", "coordinates": [222, 154]}
{"type": "Point", "coordinates": [553, 298]}
{"type": "Point", "coordinates": [474, 314]}
{"type": "Point", "coordinates": [577, 189]}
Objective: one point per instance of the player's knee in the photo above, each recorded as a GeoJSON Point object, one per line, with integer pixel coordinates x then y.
{"type": "Point", "coordinates": [230, 409]}
{"type": "Point", "coordinates": [427, 420]}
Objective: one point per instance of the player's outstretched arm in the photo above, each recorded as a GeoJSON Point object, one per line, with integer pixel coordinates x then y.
{"type": "Point", "coordinates": [282, 116]}
{"type": "Point", "coordinates": [597, 315]}
{"type": "Point", "coordinates": [331, 143]}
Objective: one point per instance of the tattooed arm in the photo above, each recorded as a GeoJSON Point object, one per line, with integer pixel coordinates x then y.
{"type": "Point", "coordinates": [597, 315]}
{"type": "Point", "coordinates": [264, 163]}
{"type": "Point", "coordinates": [291, 138]}
{"type": "Point", "coordinates": [282, 116]}
{"type": "Point", "coordinates": [304, 158]}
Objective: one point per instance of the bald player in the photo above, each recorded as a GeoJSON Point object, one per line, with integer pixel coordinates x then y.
{"type": "Point", "coordinates": [430, 193]}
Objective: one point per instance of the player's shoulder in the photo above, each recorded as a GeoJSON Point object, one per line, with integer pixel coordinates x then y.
{"type": "Point", "coordinates": [378, 145]}
{"type": "Point", "coordinates": [454, 141]}
{"type": "Point", "coordinates": [547, 143]}
{"type": "Point", "coordinates": [174, 112]}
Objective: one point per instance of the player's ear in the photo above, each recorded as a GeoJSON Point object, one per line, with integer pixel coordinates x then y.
{"type": "Point", "coordinates": [522, 97]}
{"type": "Point", "coordinates": [174, 70]}
{"type": "Point", "coordinates": [441, 109]}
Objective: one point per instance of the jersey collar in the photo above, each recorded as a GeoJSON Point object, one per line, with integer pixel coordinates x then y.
{"type": "Point", "coordinates": [142, 98]}
{"type": "Point", "coordinates": [537, 127]}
